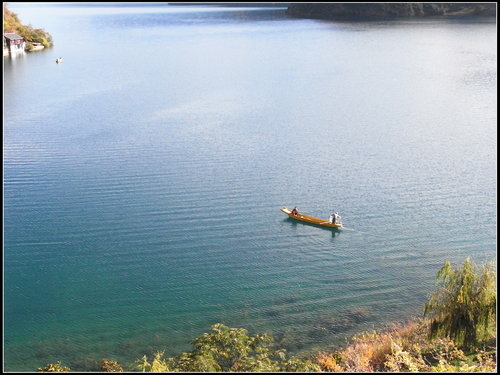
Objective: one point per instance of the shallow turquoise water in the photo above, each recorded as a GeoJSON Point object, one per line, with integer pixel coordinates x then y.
{"type": "Point", "coordinates": [143, 176]}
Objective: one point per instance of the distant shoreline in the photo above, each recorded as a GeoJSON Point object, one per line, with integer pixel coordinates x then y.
{"type": "Point", "coordinates": [236, 5]}
{"type": "Point", "coordinates": [390, 11]}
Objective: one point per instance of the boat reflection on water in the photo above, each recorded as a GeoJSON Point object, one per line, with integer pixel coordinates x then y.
{"type": "Point", "coordinates": [295, 224]}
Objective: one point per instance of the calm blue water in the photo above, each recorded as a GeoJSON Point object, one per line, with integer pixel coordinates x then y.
{"type": "Point", "coordinates": [143, 176]}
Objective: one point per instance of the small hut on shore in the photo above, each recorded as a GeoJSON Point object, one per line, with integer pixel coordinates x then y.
{"type": "Point", "coordinates": [13, 43]}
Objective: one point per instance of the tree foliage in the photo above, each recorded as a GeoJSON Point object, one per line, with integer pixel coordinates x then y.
{"type": "Point", "coordinates": [464, 309]}
{"type": "Point", "coordinates": [227, 349]}
{"type": "Point", "coordinates": [54, 367]}
{"type": "Point", "coordinates": [12, 24]}
{"type": "Point", "coordinates": [110, 366]}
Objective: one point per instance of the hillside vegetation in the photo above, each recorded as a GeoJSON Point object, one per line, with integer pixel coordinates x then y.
{"type": "Point", "coordinates": [11, 24]}
{"type": "Point", "coordinates": [378, 11]}
{"type": "Point", "coordinates": [457, 333]}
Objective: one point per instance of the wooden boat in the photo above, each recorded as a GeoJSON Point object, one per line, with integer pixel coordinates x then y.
{"type": "Point", "coordinates": [310, 219]}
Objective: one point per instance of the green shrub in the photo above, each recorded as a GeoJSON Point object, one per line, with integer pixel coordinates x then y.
{"type": "Point", "coordinates": [227, 349]}
{"type": "Point", "coordinates": [157, 365]}
{"type": "Point", "coordinates": [464, 309]}
{"type": "Point", "coordinates": [400, 360]}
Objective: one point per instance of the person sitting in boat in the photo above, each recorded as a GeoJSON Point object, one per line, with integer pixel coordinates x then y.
{"type": "Point", "coordinates": [295, 212]}
{"type": "Point", "coordinates": [337, 217]}
{"type": "Point", "coordinates": [332, 218]}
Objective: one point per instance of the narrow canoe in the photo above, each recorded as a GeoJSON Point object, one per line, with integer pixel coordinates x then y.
{"type": "Point", "coordinates": [310, 219]}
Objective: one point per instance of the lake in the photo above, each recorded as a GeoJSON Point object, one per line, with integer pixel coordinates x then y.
{"type": "Point", "coordinates": [143, 176]}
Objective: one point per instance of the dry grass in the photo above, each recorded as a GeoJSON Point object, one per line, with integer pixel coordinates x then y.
{"type": "Point", "coordinates": [371, 351]}
{"type": "Point", "coordinates": [403, 348]}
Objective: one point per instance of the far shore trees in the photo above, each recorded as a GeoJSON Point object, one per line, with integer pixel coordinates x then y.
{"type": "Point", "coordinates": [12, 24]}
